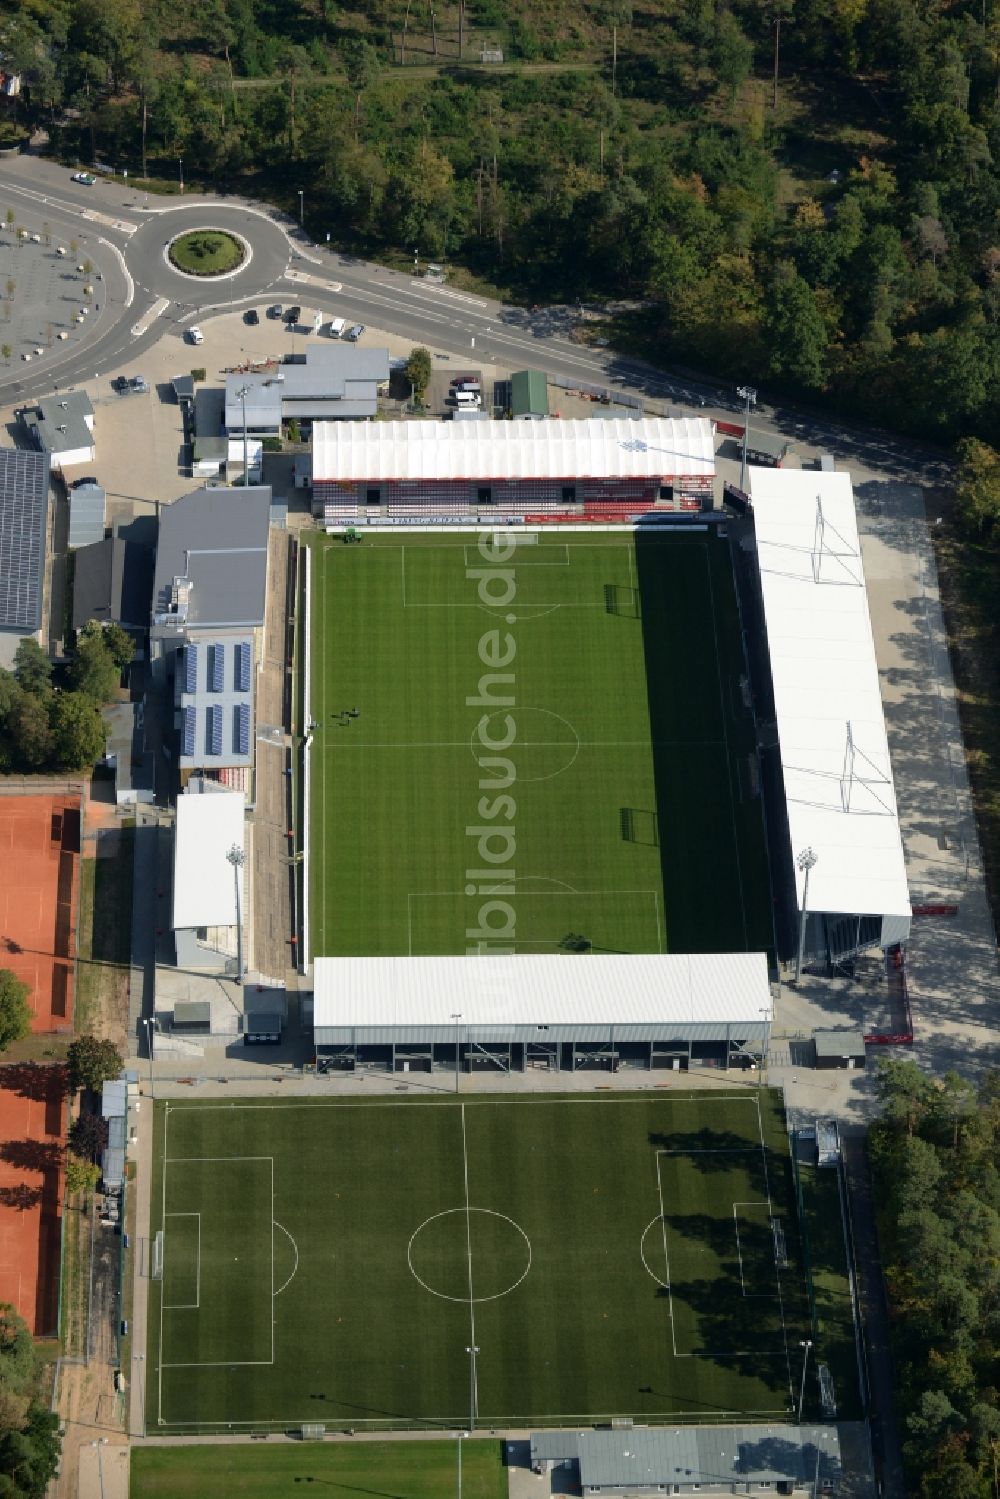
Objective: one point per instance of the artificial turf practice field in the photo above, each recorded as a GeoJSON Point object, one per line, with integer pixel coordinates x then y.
{"type": "Point", "coordinates": [334, 1261]}
{"type": "Point", "coordinates": [632, 818]}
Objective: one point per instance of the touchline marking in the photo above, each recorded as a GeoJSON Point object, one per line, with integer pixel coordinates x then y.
{"type": "Point", "coordinates": [468, 1246]}
{"type": "Point", "coordinates": [725, 735]}
{"type": "Point", "coordinates": [524, 1102]}
{"type": "Point", "coordinates": [666, 1257]}
{"type": "Point", "coordinates": [163, 1220]}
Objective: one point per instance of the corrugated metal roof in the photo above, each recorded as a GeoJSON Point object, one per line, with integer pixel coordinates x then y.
{"type": "Point", "coordinates": [538, 990]}
{"type": "Point", "coordinates": [825, 676]}
{"type": "Point", "coordinates": [643, 1457]}
{"type": "Point", "coordinates": [529, 392]}
{"type": "Point", "coordinates": [113, 1096]}
{"type": "Point", "coordinates": [588, 448]}
{"type": "Point", "coordinates": [86, 515]}
{"type": "Point", "coordinates": [208, 825]}
{"type": "Point", "coordinates": [839, 1043]}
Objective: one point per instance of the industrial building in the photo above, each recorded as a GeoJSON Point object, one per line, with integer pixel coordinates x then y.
{"type": "Point", "coordinates": [546, 470]}
{"type": "Point", "coordinates": [113, 582]}
{"type": "Point", "coordinates": [329, 382]}
{"type": "Point", "coordinates": [86, 515]}
{"type": "Point", "coordinates": [832, 816]}
{"type": "Point", "coordinates": [63, 427]}
{"type": "Point", "coordinates": [709, 1460]}
{"type": "Point", "coordinates": [554, 1011]}
{"type": "Point", "coordinates": [24, 513]}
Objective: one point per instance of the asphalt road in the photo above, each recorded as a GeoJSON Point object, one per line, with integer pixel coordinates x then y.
{"type": "Point", "coordinates": [127, 234]}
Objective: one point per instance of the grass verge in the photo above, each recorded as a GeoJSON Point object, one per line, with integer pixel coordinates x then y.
{"type": "Point", "coordinates": [393, 1470]}
{"type": "Point", "coordinates": [104, 938]}
{"type": "Point", "coordinates": [206, 252]}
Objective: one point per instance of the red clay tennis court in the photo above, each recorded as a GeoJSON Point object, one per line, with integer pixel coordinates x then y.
{"type": "Point", "coordinates": [39, 874]}
{"type": "Point", "coordinates": [32, 1115]}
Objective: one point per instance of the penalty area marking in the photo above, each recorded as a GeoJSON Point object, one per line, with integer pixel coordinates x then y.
{"type": "Point", "coordinates": [295, 1268]}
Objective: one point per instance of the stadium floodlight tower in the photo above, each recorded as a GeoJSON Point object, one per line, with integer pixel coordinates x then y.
{"type": "Point", "coordinates": [236, 857]}
{"type": "Point", "coordinates": [748, 396]}
{"type": "Point", "coordinates": [241, 396]}
{"type": "Point", "coordinates": [802, 1387]}
{"type": "Point", "coordinates": [806, 860]}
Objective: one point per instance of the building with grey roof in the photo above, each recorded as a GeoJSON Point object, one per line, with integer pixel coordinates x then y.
{"type": "Point", "coordinates": [24, 512]}
{"type": "Point", "coordinates": [213, 694]}
{"type": "Point", "coordinates": [62, 426]}
{"type": "Point", "coordinates": [330, 382]}
{"type": "Point", "coordinates": [211, 564]}
{"type": "Point", "coordinates": [783, 1459]}
{"type": "Point", "coordinates": [113, 581]}
{"type": "Point", "coordinates": [127, 755]}
{"type": "Point", "coordinates": [86, 515]}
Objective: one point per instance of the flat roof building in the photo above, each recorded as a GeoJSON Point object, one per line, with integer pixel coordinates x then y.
{"type": "Point", "coordinates": [209, 826]}
{"type": "Point", "coordinates": [24, 512]}
{"type": "Point", "coordinates": [86, 515]}
{"type": "Point", "coordinates": [529, 395]}
{"type": "Point", "coordinates": [211, 563]}
{"type": "Point", "coordinates": [62, 426]}
{"type": "Point", "coordinates": [113, 581]}
{"type": "Point", "coordinates": [213, 688]}
{"type": "Point", "coordinates": [329, 382]}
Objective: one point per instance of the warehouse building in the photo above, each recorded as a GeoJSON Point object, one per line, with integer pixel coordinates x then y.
{"type": "Point", "coordinates": [330, 382]}
{"type": "Point", "coordinates": [63, 427]}
{"type": "Point", "coordinates": [708, 1460]}
{"type": "Point", "coordinates": [557, 1012]}
{"type": "Point", "coordinates": [833, 821]}
{"type": "Point", "coordinates": [546, 470]}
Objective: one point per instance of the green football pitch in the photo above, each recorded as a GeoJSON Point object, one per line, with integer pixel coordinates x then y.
{"type": "Point", "coordinates": [338, 1262]}
{"type": "Point", "coordinates": [562, 720]}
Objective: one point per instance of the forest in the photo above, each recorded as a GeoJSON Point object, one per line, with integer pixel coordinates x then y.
{"type": "Point", "coordinates": [802, 193]}
{"type": "Point", "coordinates": [934, 1155]}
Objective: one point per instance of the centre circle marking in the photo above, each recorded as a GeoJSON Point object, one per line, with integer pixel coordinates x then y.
{"type": "Point", "coordinates": [461, 1212]}
{"type": "Point", "coordinates": [572, 746]}
{"type": "Point", "coordinates": [642, 1252]}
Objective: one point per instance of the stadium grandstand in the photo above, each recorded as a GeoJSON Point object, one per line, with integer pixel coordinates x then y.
{"type": "Point", "coordinates": [497, 472]}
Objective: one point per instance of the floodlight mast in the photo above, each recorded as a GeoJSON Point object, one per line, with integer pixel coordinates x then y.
{"type": "Point", "coordinates": [237, 858]}
{"type": "Point", "coordinates": [748, 396]}
{"type": "Point", "coordinates": [805, 861]}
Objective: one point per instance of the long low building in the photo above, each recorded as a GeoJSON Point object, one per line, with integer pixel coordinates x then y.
{"type": "Point", "coordinates": [580, 470]}
{"type": "Point", "coordinates": [842, 847]}
{"type": "Point", "coordinates": [330, 382]}
{"type": "Point", "coordinates": [500, 1013]}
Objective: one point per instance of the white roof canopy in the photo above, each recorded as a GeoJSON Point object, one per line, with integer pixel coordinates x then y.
{"type": "Point", "coordinates": [590, 448]}
{"type": "Point", "coordinates": [831, 727]}
{"type": "Point", "coordinates": [547, 989]}
{"type": "Point", "coordinates": [208, 825]}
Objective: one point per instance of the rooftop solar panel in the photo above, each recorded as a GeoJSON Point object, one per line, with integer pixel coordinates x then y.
{"type": "Point", "coordinates": [243, 666]}
{"type": "Point", "coordinates": [190, 668]}
{"type": "Point", "coordinates": [213, 734]}
{"type": "Point", "coordinates": [24, 498]}
{"type": "Point", "coordinates": [216, 667]}
{"type": "Point", "coordinates": [188, 731]}
{"type": "Point", "coordinates": [241, 729]}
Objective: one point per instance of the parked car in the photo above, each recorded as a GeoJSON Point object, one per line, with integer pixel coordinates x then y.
{"type": "Point", "coordinates": [195, 335]}
{"type": "Point", "coordinates": [251, 317]}
{"type": "Point", "coordinates": [275, 310]}
{"type": "Point", "coordinates": [86, 178]}
{"type": "Point", "coordinates": [120, 384]}
{"type": "Point", "coordinates": [293, 314]}
{"type": "Point", "coordinates": [355, 332]}
{"type": "Point", "coordinates": [137, 385]}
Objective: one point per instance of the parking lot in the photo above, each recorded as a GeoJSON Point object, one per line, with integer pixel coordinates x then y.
{"type": "Point", "coordinates": [42, 280]}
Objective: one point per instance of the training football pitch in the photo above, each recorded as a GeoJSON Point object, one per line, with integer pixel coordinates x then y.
{"type": "Point", "coordinates": [502, 1261]}
{"type": "Point", "coordinates": [562, 721]}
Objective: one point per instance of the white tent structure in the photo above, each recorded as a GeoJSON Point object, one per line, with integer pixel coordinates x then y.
{"type": "Point", "coordinates": [208, 879]}
{"type": "Point", "coordinates": [842, 818]}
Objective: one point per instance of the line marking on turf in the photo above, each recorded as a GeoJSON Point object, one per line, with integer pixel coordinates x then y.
{"type": "Point", "coordinates": [186, 1306]}
{"type": "Point", "coordinates": [288, 1236]}
{"type": "Point", "coordinates": [666, 1257]}
{"type": "Point", "coordinates": [725, 734]}
{"type": "Point", "coordinates": [777, 1270]}
{"type": "Point", "coordinates": [406, 744]}
{"type": "Point", "coordinates": [163, 1220]}
{"type": "Point", "coordinates": [739, 1252]}
{"type": "Point", "coordinates": [524, 1101]}
{"type": "Point", "coordinates": [468, 1247]}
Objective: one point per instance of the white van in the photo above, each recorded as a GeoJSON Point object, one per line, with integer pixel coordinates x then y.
{"type": "Point", "coordinates": [468, 398]}
{"type": "Point", "coordinates": [335, 327]}
{"type": "Point", "coordinates": [472, 385]}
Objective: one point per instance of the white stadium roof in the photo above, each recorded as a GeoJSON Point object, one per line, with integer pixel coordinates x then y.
{"type": "Point", "coordinates": [589, 448]}
{"type": "Point", "coordinates": [540, 990]}
{"type": "Point", "coordinates": [825, 676]}
{"type": "Point", "coordinates": [207, 827]}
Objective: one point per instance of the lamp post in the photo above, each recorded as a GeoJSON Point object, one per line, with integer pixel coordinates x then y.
{"type": "Point", "coordinates": [802, 1387]}
{"type": "Point", "coordinates": [806, 860]}
{"type": "Point", "coordinates": [461, 1437]}
{"type": "Point", "coordinates": [415, 260]}
{"type": "Point", "coordinates": [457, 1017]}
{"type": "Point", "coordinates": [748, 396]}
{"type": "Point", "coordinates": [180, 171]}
{"type": "Point", "coordinates": [302, 206]}
{"type": "Point", "coordinates": [236, 857]}
{"type": "Point", "coordinates": [473, 1402]}
{"type": "Point", "coordinates": [766, 1014]}
{"type": "Point", "coordinates": [242, 394]}
{"type": "Point", "coordinates": [150, 1023]}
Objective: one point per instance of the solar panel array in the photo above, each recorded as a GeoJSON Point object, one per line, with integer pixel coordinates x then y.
{"type": "Point", "coordinates": [241, 729]}
{"type": "Point", "coordinates": [190, 668]}
{"type": "Point", "coordinates": [188, 731]}
{"type": "Point", "coordinates": [24, 495]}
{"type": "Point", "coordinates": [213, 730]}
{"type": "Point", "coordinates": [216, 667]}
{"type": "Point", "coordinates": [243, 666]}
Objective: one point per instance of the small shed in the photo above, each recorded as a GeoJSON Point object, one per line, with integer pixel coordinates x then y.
{"type": "Point", "coordinates": [529, 396]}
{"type": "Point", "coordinates": [766, 449]}
{"type": "Point", "coordinates": [86, 515]}
{"type": "Point", "coordinates": [113, 1155]}
{"type": "Point", "coordinates": [193, 1017]}
{"type": "Point", "coordinates": [827, 1142]}
{"type": "Point", "coordinates": [840, 1049]}
{"type": "Point", "coordinates": [210, 455]}
{"type": "Point", "coordinates": [183, 390]}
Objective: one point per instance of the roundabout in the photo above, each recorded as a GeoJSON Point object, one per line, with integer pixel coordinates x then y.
{"type": "Point", "coordinates": [469, 1255]}
{"type": "Point", "coordinates": [209, 254]}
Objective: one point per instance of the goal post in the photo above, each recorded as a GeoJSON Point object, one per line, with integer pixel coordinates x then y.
{"type": "Point", "coordinates": [156, 1257]}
